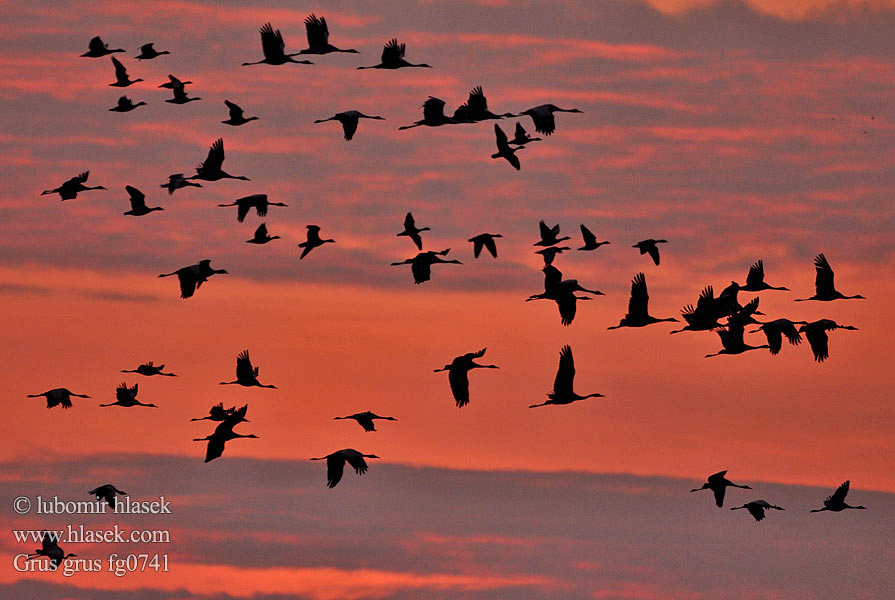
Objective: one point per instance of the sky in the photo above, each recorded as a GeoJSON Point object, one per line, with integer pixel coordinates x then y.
{"type": "Point", "coordinates": [737, 131]}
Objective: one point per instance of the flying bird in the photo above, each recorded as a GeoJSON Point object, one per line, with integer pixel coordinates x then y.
{"type": "Point", "coordinates": [177, 181]}
{"type": "Point", "coordinates": [549, 235]}
{"type": "Point", "coordinates": [261, 235]}
{"type": "Point", "coordinates": [756, 508]}
{"type": "Point", "coordinates": [192, 277]}
{"type": "Point", "coordinates": [650, 246]}
{"type": "Point", "coordinates": [412, 231]}
{"type": "Point", "coordinates": [638, 306]}
{"type": "Point", "coordinates": [335, 464]}
{"type": "Point", "coordinates": [318, 37]}
{"type": "Point", "coordinates": [476, 109]}
{"type": "Point", "coordinates": [107, 492]}
{"type": "Point", "coordinates": [542, 117]}
{"type": "Point", "coordinates": [550, 253]}
{"type": "Point", "coordinates": [236, 115]}
{"type": "Point", "coordinates": [393, 57]}
{"type": "Point", "coordinates": [590, 240]}
{"type": "Point", "coordinates": [824, 290]}
{"type": "Point", "coordinates": [521, 136]}
{"type": "Point", "coordinates": [718, 483]}
{"type": "Point", "coordinates": [257, 201]}
{"type": "Point", "coordinates": [49, 547]}
{"type": "Point", "coordinates": [705, 316]}
{"type": "Point", "coordinates": [732, 340]}
{"type": "Point", "coordinates": [210, 168]}
{"type": "Point", "coordinates": [127, 397]}
{"type": "Point", "coordinates": [313, 240]}
{"type": "Point", "coordinates": [365, 419]}
{"type": "Point", "coordinates": [125, 104]}
{"type": "Point", "coordinates": [173, 82]}
{"type": "Point", "coordinates": [223, 433]}
{"type": "Point", "coordinates": [58, 396]}
{"type": "Point", "coordinates": [121, 78]}
{"type": "Point", "coordinates": [776, 329]}
{"type": "Point", "coordinates": [563, 386]}
{"type": "Point", "coordinates": [149, 369]}
{"type": "Point", "coordinates": [274, 49]}
{"type": "Point", "coordinates": [433, 115]}
{"type": "Point", "coordinates": [458, 370]}
{"type": "Point", "coordinates": [98, 49]}
{"type": "Point", "coordinates": [148, 52]}
{"type": "Point", "coordinates": [218, 413]}
{"type": "Point", "coordinates": [138, 203]}
{"type": "Point", "coordinates": [421, 264]}
{"type": "Point", "coordinates": [562, 291]}
{"type": "Point", "coordinates": [504, 150]}
{"type": "Point", "coordinates": [69, 190]}
{"type": "Point", "coordinates": [180, 96]}
{"type": "Point", "coordinates": [816, 334]}
{"type": "Point", "coordinates": [349, 120]}
{"type": "Point", "coordinates": [246, 374]}
{"type": "Point", "coordinates": [836, 502]}
{"type": "Point", "coordinates": [755, 279]}
{"type": "Point", "coordinates": [484, 240]}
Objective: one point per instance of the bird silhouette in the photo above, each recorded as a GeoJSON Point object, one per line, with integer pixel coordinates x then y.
{"type": "Point", "coordinates": [49, 547]}
{"type": "Point", "coordinates": [484, 240]}
{"type": "Point", "coordinates": [550, 253]}
{"type": "Point", "coordinates": [756, 508]}
{"type": "Point", "coordinates": [274, 49]}
{"type": "Point", "coordinates": [318, 37]}
{"type": "Point", "coordinates": [121, 78]}
{"type": "Point", "coordinates": [180, 96]}
{"type": "Point", "coordinates": [411, 231]}
{"type": "Point", "coordinates": [210, 168]}
{"type": "Point", "coordinates": [824, 290]}
{"type": "Point", "coordinates": [127, 397]}
{"type": "Point", "coordinates": [755, 279]}
{"type": "Point", "coordinates": [173, 83]}
{"type": "Point", "coordinates": [650, 246]}
{"type": "Point", "coordinates": [192, 277]}
{"type": "Point", "coordinates": [58, 396]}
{"type": "Point", "coordinates": [521, 136]}
{"type": "Point", "coordinates": [148, 369]}
{"type": "Point", "coordinates": [638, 306]}
{"type": "Point", "coordinates": [236, 115]}
{"type": "Point", "coordinates": [335, 464]}
{"type": "Point", "coordinates": [549, 235]}
{"type": "Point", "coordinates": [718, 483]}
{"type": "Point", "coordinates": [590, 240]}
{"type": "Point", "coordinates": [816, 334]}
{"type": "Point", "coordinates": [69, 190]}
{"type": "Point", "coordinates": [246, 374]}
{"type": "Point", "coordinates": [458, 377]}
{"type": "Point", "coordinates": [98, 49]}
{"type": "Point", "coordinates": [393, 57]}
{"type": "Point", "coordinates": [705, 316]}
{"type": "Point", "coordinates": [542, 117]}
{"type": "Point", "coordinates": [138, 203]}
{"type": "Point", "coordinates": [223, 433]}
{"type": "Point", "coordinates": [563, 386]}
{"type": "Point", "coordinates": [836, 501]}
{"type": "Point", "coordinates": [257, 201]}
{"type": "Point", "coordinates": [349, 120]}
{"type": "Point", "coordinates": [148, 52]}
{"type": "Point", "coordinates": [562, 291]}
{"type": "Point", "coordinates": [218, 413]}
{"type": "Point", "coordinates": [776, 329]}
{"type": "Point", "coordinates": [433, 115]}
{"type": "Point", "coordinates": [421, 264]}
{"type": "Point", "coordinates": [476, 109]}
{"type": "Point", "coordinates": [177, 181]}
{"type": "Point", "coordinates": [107, 492]}
{"type": "Point", "coordinates": [313, 240]}
{"type": "Point", "coordinates": [261, 235]}
{"type": "Point", "coordinates": [732, 340]}
{"type": "Point", "coordinates": [365, 419]}
{"type": "Point", "coordinates": [125, 104]}
{"type": "Point", "coordinates": [504, 150]}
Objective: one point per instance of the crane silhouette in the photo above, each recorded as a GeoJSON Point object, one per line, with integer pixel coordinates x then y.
{"type": "Point", "coordinates": [50, 548]}
{"type": "Point", "coordinates": [138, 203]}
{"type": "Point", "coordinates": [638, 306]}
{"type": "Point", "coordinates": [504, 149]}
{"type": "Point", "coordinates": [108, 493]}
{"type": "Point", "coordinates": [349, 120]}
{"type": "Point", "coordinates": [257, 201]}
{"type": "Point", "coordinates": [246, 374]}
{"type": "Point", "coordinates": [549, 235]}
{"type": "Point", "coordinates": [433, 115]}
{"type": "Point", "coordinates": [313, 240]}
{"type": "Point", "coordinates": [148, 369]}
{"type": "Point", "coordinates": [177, 181]}
{"type": "Point", "coordinates": [650, 247]}
{"type": "Point", "coordinates": [550, 253]}
{"type": "Point", "coordinates": [261, 235]}
{"type": "Point", "coordinates": [542, 117]}
{"type": "Point", "coordinates": [237, 117]}
{"type": "Point", "coordinates": [521, 137]}
{"type": "Point", "coordinates": [484, 240]}
{"type": "Point", "coordinates": [718, 483]}
{"type": "Point", "coordinates": [563, 386]}
{"type": "Point", "coordinates": [421, 264]}
{"type": "Point", "coordinates": [476, 109]}
{"type": "Point", "coordinates": [732, 340]}
{"type": "Point", "coordinates": [210, 168]}
{"type": "Point", "coordinates": [836, 501]}
{"type": "Point", "coordinates": [590, 240]}
{"type": "Point", "coordinates": [776, 329]}
{"type": "Point", "coordinates": [335, 464]}
{"type": "Point", "coordinates": [755, 279]}
{"type": "Point", "coordinates": [69, 190]}
{"type": "Point", "coordinates": [816, 334]}
{"type": "Point", "coordinates": [127, 397]}
{"type": "Point", "coordinates": [218, 413]}
{"type": "Point", "coordinates": [318, 37]}
{"type": "Point", "coordinates": [412, 231]}
{"type": "Point", "coordinates": [58, 396]}
{"type": "Point", "coordinates": [179, 90]}
{"type": "Point", "coordinates": [562, 291]}
{"type": "Point", "coordinates": [99, 49]}
{"type": "Point", "coordinates": [125, 104]}
{"type": "Point", "coordinates": [121, 77]}
{"type": "Point", "coordinates": [274, 49]}
{"type": "Point", "coordinates": [824, 290]}
{"type": "Point", "coordinates": [458, 374]}
{"type": "Point", "coordinates": [147, 52]}
{"type": "Point", "coordinates": [223, 433]}
{"type": "Point", "coordinates": [192, 277]}
{"type": "Point", "coordinates": [174, 82]}
{"type": "Point", "coordinates": [393, 57]}
{"type": "Point", "coordinates": [705, 316]}
{"type": "Point", "coordinates": [756, 508]}
{"type": "Point", "coordinates": [365, 419]}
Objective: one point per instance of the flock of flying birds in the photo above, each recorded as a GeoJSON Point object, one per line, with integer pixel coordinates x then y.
{"type": "Point", "coordinates": [705, 316]}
